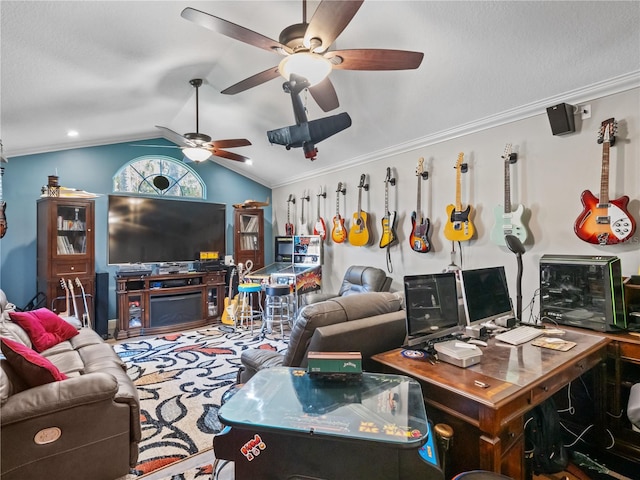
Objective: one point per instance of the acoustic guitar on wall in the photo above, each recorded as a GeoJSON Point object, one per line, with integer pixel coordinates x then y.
{"type": "Point", "coordinates": [459, 226]}
{"type": "Point", "coordinates": [419, 225]}
{"type": "Point", "coordinates": [359, 231]}
{"type": "Point", "coordinates": [507, 220]}
{"type": "Point", "coordinates": [388, 236]}
{"type": "Point", "coordinates": [288, 227]}
{"type": "Point", "coordinates": [319, 227]}
{"type": "Point", "coordinates": [604, 221]}
{"type": "Point", "coordinates": [339, 232]}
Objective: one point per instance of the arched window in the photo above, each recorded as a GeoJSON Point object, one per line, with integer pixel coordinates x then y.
{"type": "Point", "coordinates": [159, 175]}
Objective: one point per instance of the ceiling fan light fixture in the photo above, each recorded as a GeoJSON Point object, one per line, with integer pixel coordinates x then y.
{"type": "Point", "coordinates": [311, 66]}
{"type": "Point", "coordinates": [196, 154]}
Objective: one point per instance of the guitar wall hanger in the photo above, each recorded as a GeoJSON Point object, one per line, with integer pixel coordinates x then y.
{"type": "Point", "coordinates": [304, 197]}
{"type": "Point", "coordinates": [365, 187]}
{"type": "Point", "coordinates": [322, 194]}
{"type": "Point", "coordinates": [464, 168]}
{"type": "Point", "coordinates": [342, 190]}
{"type": "Point", "coordinates": [424, 175]}
{"type": "Point", "coordinates": [513, 158]}
{"type": "Point", "coordinates": [292, 199]}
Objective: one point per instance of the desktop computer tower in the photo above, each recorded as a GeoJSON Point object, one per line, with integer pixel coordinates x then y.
{"type": "Point", "coordinates": [583, 291]}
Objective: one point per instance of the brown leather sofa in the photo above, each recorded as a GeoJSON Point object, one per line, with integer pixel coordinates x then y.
{"type": "Point", "coordinates": [369, 323]}
{"type": "Point", "coordinates": [84, 427]}
{"type": "Point", "coordinates": [357, 279]}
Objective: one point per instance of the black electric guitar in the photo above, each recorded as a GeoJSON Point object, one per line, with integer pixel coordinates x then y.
{"type": "Point", "coordinates": [419, 225]}
{"type": "Point", "coordinates": [3, 207]}
{"type": "Point", "coordinates": [389, 236]}
{"type": "Point", "coordinates": [86, 318]}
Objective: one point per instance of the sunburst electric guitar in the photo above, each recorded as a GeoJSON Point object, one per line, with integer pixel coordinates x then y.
{"type": "Point", "coordinates": [419, 238]}
{"type": "Point", "coordinates": [459, 226]}
{"type": "Point", "coordinates": [508, 221]}
{"type": "Point", "coordinates": [288, 227]}
{"type": "Point", "coordinates": [388, 236]}
{"type": "Point", "coordinates": [320, 228]}
{"type": "Point", "coordinates": [359, 231]}
{"type": "Point", "coordinates": [604, 221]}
{"type": "Point", "coordinates": [339, 232]}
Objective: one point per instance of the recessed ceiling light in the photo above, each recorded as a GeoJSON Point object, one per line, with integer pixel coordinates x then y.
{"type": "Point", "coordinates": [72, 133]}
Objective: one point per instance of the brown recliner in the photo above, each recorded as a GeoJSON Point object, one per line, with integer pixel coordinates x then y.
{"type": "Point", "coordinates": [357, 279]}
{"type": "Point", "coordinates": [369, 323]}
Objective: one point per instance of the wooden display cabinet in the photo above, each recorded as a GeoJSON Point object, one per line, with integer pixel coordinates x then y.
{"type": "Point", "coordinates": [66, 251]}
{"type": "Point", "coordinates": [154, 304]}
{"type": "Point", "coordinates": [248, 239]}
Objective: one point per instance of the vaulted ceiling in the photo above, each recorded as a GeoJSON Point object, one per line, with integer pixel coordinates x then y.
{"type": "Point", "coordinates": [112, 70]}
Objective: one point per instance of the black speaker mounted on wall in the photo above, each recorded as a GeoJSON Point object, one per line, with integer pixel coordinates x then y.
{"type": "Point", "coordinates": [561, 119]}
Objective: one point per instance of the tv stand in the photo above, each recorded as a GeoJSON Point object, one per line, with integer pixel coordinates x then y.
{"type": "Point", "coordinates": [153, 304]}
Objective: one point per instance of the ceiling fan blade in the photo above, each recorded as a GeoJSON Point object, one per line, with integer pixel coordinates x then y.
{"type": "Point", "coordinates": [233, 30]}
{"type": "Point", "coordinates": [228, 155]}
{"type": "Point", "coordinates": [375, 59]}
{"type": "Point", "coordinates": [231, 143]}
{"type": "Point", "coordinates": [329, 20]}
{"type": "Point", "coordinates": [175, 137]}
{"type": "Point", "coordinates": [325, 95]}
{"type": "Point", "coordinates": [253, 81]}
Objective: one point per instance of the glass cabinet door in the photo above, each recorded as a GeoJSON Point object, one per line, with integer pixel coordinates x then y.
{"type": "Point", "coordinates": [249, 231]}
{"type": "Point", "coordinates": [71, 223]}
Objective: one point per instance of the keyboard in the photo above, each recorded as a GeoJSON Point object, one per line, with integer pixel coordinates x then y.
{"type": "Point", "coordinates": [519, 335]}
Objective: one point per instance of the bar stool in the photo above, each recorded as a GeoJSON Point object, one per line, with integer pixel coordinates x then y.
{"type": "Point", "coordinates": [277, 307]}
{"type": "Point", "coordinates": [246, 311]}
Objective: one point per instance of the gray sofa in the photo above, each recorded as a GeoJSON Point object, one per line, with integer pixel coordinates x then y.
{"type": "Point", "coordinates": [86, 426]}
{"type": "Point", "coordinates": [369, 323]}
{"type": "Point", "coordinates": [357, 279]}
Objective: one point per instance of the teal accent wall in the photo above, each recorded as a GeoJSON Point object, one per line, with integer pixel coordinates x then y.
{"type": "Point", "coordinates": [92, 169]}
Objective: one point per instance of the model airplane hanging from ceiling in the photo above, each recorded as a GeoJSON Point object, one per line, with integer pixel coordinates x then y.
{"type": "Point", "coordinates": [306, 133]}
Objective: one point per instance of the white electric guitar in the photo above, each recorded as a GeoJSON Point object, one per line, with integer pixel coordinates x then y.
{"type": "Point", "coordinates": [507, 220]}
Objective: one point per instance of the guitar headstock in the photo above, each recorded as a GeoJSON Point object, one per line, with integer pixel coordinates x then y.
{"type": "Point", "coordinates": [607, 132]}
{"type": "Point", "coordinates": [363, 177]}
{"type": "Point", "coordinates": [420, 167]}
{"type": "Point", "coordinates": [70, 286]}
{"type": "Point", "coordinates": [388, 178]}
{"type": "Point", "coordinates": [63, 284]}
{"type": "Point", "coordinates": [79, 284]}
{"type": "Point", "coordinates": [460, 161]}
{"type": "Point", "coordinates": [291, 199]}
{"type": "Point", "coordinates": [305, 196]}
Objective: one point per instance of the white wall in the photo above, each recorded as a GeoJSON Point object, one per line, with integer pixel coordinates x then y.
{"type": "Point", "coordinates": [550, 174]}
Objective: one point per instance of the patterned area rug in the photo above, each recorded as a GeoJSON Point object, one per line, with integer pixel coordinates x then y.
{"type": "Point", "coordinates": [180, 379]}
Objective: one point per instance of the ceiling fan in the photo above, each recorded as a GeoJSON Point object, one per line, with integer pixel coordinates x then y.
{"type": "Point", "coordinates": [305, 47]}
{"type": "Point", "coordinates": [198, 146]}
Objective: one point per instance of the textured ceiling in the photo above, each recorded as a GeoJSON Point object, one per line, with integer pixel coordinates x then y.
{"type": "Point", "coordinates": [112, 70]}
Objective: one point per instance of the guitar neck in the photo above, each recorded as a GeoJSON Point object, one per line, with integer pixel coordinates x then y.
{"type": "Point", "coordinates": [418, 192]}
{"type": "Point", "coordinates": [604, 177]}
{"type": "Point", "coordinates": [458, 188]}
{"type": "Point", "coordinates": [507, 187]}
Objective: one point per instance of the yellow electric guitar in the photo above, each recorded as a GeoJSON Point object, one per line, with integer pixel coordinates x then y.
{"type": "Point", "coordinates": [388, 236]}
{"type": "Point", "coordinates": [359, 231]}
{"type": "Point", "coordinates": [230, 306]}
{"type": "Point", "coordinates": [459, 226]}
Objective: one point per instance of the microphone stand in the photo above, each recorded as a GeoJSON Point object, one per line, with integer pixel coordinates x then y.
{"type": "Point", "coordinates": [515, 245]}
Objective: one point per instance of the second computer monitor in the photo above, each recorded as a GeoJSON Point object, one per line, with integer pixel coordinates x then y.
{"type": "Point", "coordinates": [485, 294]}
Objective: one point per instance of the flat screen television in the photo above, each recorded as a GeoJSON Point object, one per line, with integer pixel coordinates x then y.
{"type": "Point", "coordinates": [159, 230]}
{"type": "Point", "coordinates": [485, 295]}
{"type": "Point", "coordinates": [431, 307]}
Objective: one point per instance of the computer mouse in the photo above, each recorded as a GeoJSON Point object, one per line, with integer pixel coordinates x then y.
{"type": "Point", "coordinates": [475, 341]}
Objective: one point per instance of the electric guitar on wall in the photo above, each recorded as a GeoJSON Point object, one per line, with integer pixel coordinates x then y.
{"type": "Point", "coordinates": [459, 226]}
{"type": "Point", "coordinates": [3, 207]}
{"type": "Point", "coordinates": [508, 221]}
{"type": "Point", "coordinates": [419, 225]}
{"type": "Point", "coordinates": [303, 228]}
{"type": "Point", "coordinates": [86, 318]}
{"type": "Point", "coordinates": [339, 232]}
{"type": "Point", "coordinates": [359, 231]}
{"type": "Point", "coordinates": [320, 228]}
{"type": "Point", "coordinates": [604, 221]}
{"type": "Point", "coordinates": [288, 227]}
{"type": "Point", "coordinates": [389, 236]}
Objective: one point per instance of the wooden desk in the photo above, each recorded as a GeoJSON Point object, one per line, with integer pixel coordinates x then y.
{"type": "Point", "coordinates": [488, 423]}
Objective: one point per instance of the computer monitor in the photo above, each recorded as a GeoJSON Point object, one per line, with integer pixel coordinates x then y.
{"type": "Point", "coordinates": [431, 307]}
{"type": "Point", "coordinates": [485, 295]}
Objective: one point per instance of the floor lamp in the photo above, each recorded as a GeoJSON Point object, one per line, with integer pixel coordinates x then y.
{"type": "Point", "coordinates": [515, 245]}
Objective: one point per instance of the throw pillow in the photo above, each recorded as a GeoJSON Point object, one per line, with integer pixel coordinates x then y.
{"type": "Point", "coordinates": [45, 328]}
{"type": "Point", "coordinates": [32, 367]}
